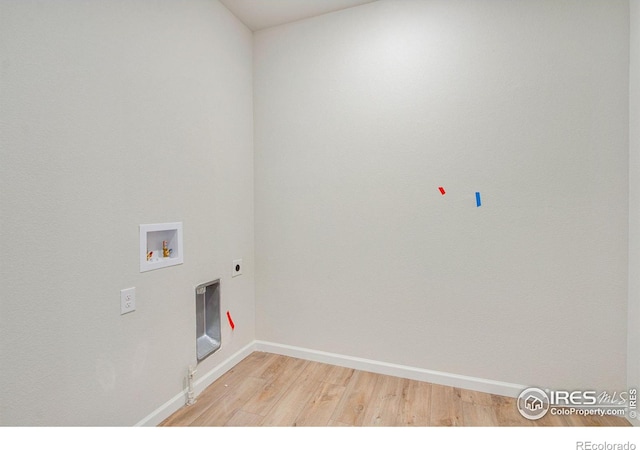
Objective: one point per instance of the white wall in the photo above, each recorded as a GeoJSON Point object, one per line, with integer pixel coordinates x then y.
{"type": "Point", "coordinates": [116, 113]}
{"type": "Point", "coordinates": [360, 115]}
{"type": "Point", "coordinates": [633, 356]}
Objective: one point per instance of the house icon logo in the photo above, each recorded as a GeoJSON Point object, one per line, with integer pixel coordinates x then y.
{"type": "Point", "coordinates": [533, 403]}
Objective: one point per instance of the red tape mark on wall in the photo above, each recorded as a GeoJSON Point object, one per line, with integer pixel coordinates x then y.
{"type": "Point", "coordinates": [231, 324]}
{"type": "Point", "coordinates": [442, 190]}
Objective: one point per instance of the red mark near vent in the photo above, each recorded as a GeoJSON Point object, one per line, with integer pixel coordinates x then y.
{"type": "Point", "coordinates": [442, 190]}
{"type": "Point", "coordinates": [231, 324]}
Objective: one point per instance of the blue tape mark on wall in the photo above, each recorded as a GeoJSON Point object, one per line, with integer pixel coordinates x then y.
{"type": "Point", "coordinates": [478, 201]}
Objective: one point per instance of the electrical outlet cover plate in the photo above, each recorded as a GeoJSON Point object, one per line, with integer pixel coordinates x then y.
{"type": "Point", "coordinates": [237, 268]}
{"type": "Point", "coordinates": [127, 300]}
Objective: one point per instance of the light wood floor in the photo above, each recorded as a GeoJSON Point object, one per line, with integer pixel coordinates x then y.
{"type": "Point", "coordinates": [273, 390]}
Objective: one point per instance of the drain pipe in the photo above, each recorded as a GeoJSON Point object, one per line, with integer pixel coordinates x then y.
{"type": "Point", "coordinates": [191, 396]}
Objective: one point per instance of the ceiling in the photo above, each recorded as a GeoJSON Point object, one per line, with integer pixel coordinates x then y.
{"type": "Point", "coordinates": [259, 14]}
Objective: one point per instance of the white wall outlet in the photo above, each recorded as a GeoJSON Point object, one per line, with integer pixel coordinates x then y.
{"type": "Point", "coordinates": [237, 268]}
{"type": "Point", "coordinates": [127, 300]}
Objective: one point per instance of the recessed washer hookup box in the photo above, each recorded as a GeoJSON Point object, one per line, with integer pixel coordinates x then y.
{"type": "Point", "coordinates": [207, 319]}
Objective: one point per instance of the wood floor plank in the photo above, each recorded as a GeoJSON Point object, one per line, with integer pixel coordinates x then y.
{"type": "Point", "coordinates": [357, 395]}
{"type": "Point", "coordinates": [274, 367]}
{"type": "Point", "coordinates": [446, 406]}
{"type": "Point", "coordinates": [476, 398]}
{"type": "Point", "coordinates": [244, 419]}
{"type": "Point", "coordinates": [613, 421]}
{"type": "Point", "coordinates": [595, 421]}
{"type": "Point", "coordinates": [507, 414]}
{"type": "Point", "coordinates": [385, 407]}
{"type": "Point", "coordinates": [474, 415]}
{"type": "Point", "coordinates": [320, 408]}
{"type": "Point", "coordinates": [277, 384]}
{"type": "Point", "coordinates": [248, 366]}
{"type": "Point", "coordinates": [285, 411]}
{"type": "Point", "coordinates": [187, 414]}
{"type": "Point", "coordinates": [477, 409]}
{"type": "Point", "coordinates": [224, 408]}
{"type": "Point", "coordinates": [339, 375]}
{"type": "Point", "coordinates": [416, 406]}
{"type": "Point", "coordinates": [583, 421]}
{"type": "Point", "coordinates": [335, 423]}
{"type": "Point", "coordinates": [551, 420]}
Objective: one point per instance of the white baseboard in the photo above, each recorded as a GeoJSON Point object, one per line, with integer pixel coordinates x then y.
{"type": "Point", "coordinates": [179, 400]}
{"type": "Point", "coordinates": [397, 370]}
